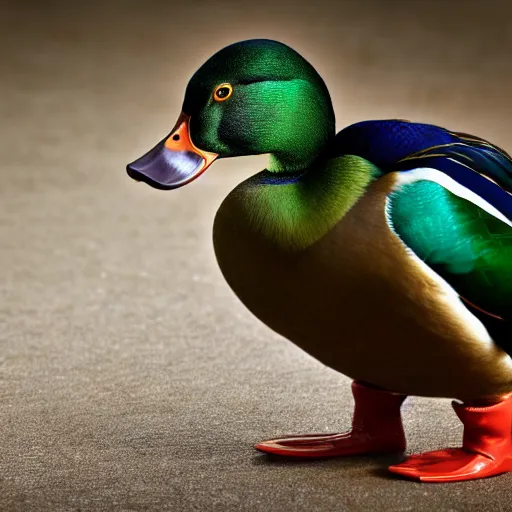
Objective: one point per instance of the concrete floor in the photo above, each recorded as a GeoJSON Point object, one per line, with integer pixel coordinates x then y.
{"type": "Point", "coordinates": [131, 379]}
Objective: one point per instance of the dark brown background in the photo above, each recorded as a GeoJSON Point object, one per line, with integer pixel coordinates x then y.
{"type": "Point", "coordinates": [130, 377]}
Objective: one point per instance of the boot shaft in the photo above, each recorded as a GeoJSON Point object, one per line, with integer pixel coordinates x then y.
{"type": "Point", "coordinates": [487, 430]}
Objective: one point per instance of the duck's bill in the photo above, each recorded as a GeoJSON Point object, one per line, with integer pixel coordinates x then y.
{"type": "Point", "coordinates": [173, 162]}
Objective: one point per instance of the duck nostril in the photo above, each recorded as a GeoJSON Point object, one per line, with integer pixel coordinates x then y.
{"type": "Point", "coordinates": [176, 137]}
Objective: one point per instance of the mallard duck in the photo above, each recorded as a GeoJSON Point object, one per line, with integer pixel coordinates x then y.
{"type": "Point", "coordinates": [384, 251]}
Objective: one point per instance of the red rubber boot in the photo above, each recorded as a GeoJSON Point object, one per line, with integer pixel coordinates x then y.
{"type": "Point", "coordinates": [486, 448]}
{"type": "Point", "coordinates": [376, 428]}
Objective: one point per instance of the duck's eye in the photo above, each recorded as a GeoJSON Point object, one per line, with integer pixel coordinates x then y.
{"type": "Point", "coordinates": [223, 92]}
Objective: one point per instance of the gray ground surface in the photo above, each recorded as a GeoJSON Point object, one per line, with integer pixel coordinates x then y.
{"type": "Point", "coordinates": [130, 376]}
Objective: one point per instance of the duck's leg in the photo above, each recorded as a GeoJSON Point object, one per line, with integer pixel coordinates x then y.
{"type": "Point", "coordinates": [486, 447]}
{"type": "Point", "coordinates": [376, 428]}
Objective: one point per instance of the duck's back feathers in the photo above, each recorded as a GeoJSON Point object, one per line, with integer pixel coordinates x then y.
{"type": "Point", "coordinates": [395, 145]}
{"type": "Point", "coordinates": [385, 142]}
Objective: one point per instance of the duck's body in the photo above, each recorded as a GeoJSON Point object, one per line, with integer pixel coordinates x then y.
{"type": "Point", "coordinates": [369, 306]}
{"type": "Point", "coordinates": [384, 251]}
{"type": "Point", "coordinates": [361, 304]}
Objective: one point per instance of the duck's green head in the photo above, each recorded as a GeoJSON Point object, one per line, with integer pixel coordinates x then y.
{"type": "Point", "coordinates": [250, 98]}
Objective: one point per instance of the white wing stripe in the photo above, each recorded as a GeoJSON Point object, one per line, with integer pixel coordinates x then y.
{"type": "Point", "coordinates": [427, 173]}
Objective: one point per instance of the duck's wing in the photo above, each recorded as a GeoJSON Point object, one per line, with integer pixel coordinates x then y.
{"type": "Point", "coordinates": [462, 238]}
{"type": "Point", "coordinates": [451, 206]}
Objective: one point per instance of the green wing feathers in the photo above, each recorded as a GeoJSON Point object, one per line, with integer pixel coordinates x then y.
{"type": "Point", "coordinates": [467, 246]}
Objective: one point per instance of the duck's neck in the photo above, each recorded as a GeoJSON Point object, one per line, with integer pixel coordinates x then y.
{"type": "Point", "coordinates": [293, 210]}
